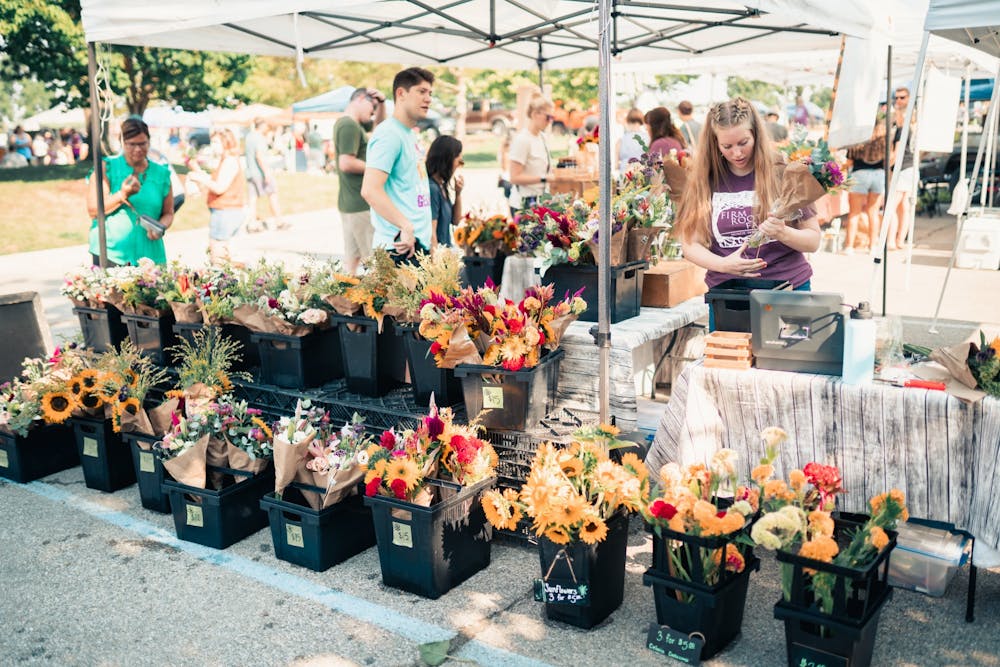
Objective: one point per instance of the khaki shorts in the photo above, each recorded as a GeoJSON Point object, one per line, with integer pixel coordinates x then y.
{"type": "Point", "coordinates": [358, 233]}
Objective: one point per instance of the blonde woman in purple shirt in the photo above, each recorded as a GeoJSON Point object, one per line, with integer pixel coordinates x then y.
{"type": "Point", "coordinates": [733, 179]}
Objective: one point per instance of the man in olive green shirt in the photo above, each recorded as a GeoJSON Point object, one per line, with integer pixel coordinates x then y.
{"type": "Point", "coordinates": [350, 140]}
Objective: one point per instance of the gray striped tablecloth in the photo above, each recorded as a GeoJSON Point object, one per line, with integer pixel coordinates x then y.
{"type": "Point", "coordinates": [942, 453]}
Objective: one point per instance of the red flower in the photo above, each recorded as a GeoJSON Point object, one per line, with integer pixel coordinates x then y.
{"type": "Point", "coordinates": [272, 303]}
{"type": "Point", "coordinates": [435, 347]}
{"type": "Point", "coordinates": [720, 514]}
{"type": "Point", "coordinates": [662, 510]}
{"type": "Point", "coordinates": [371, 488]}
{"type": "Point", "coordinates": [388, 440]}
{"type": "Point", "coordinates": [435, 426]}
{"type": "Point", "coordinates": [514, 364]}
{"type": "Point", "coordinates": [398, 487]}
{"type": "Point", "coordinates": [515, 326]}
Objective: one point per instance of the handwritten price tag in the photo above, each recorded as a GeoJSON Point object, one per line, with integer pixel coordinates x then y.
{"type": "Point", "coordinates": [805, 656]}
{"type": "Point", "coordinates": [146, 463]}
{"type": "Point", "coordinates": [293, 536]}
{"type": "Point", "coordinates": [672, 644]}
{"type": "Point", "coordinates": [402, 535]}
{"type": "Point", "coordinates": [90, 447]}
{"type": "Point", "coordinates": [195, 517]}
{"type": "Point", "coordinates": [493, 397]}
{"type": "Point", "coordinates": [562, 592]}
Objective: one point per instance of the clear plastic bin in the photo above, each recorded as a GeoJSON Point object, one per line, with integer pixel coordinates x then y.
{"type": "Point", "coordinates": [926, 559]}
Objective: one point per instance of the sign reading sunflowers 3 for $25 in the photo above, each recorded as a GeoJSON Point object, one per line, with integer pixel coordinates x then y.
{"type": "Point", "coordinates": [561, 592]}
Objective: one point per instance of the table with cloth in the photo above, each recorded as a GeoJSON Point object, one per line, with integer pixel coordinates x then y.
{"type": "Point", "coordinates": [942, 453]}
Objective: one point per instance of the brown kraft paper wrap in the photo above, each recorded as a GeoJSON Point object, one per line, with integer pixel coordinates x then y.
{"type": "Point", "coordinates": [461, 350]}
{"type": "Point", "coordinates": [558, 327]}
{"type": "Point", "coordinates": [798, 189]}
{"type": "Point", "coordinates": [144, 310]}
{"type": "Point", "coordinates": [197, 398]}
{"type": "Point", "coordinates": [955, 359]}
{"type": "Point", "coordinates": [240, 460]}
{"type": "Point", "coordinates": [137, 423]}
{"type": "Point", "coordinates": [159, 417]}
{"type": "Point", "coordinates": [189, 467]}
{"type": "Point", "coordinates": [253, 319]}
{"type": "Point", "coordinates": [618, 246]}
{"type": "Point", "coordinates": [675, 177]}
{"type": "Point", "coordinates": [640, 240]}
{"type": "Point", "coordinates": [339, 484]}
{"type": "Point", "coordinates": [400, 314]}
{"type": "Point", "coordinates": [186, 313]}
{"type": "Point", "coordinates": [342, 304]}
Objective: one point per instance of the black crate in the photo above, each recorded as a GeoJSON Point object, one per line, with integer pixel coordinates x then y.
{"type": "Point", "coordinates": [477, 269]}
{"type": "Point", "coordinates": [519, 400]}
{"type": "Point", "coordinates": [152, 335]}
{"type": "Point", "coordinates": [600, 566]}
{"type": "Point", "coordinates": [716, 612]}
{"type": "Point", "coordinates": [856, 591]}
{"type": "Point", "coordinates": [220, 518]}
{"type": "Point", "coordinates": [45, 450]}
{"type": "Point", "coordinates": [317, 539]}
{"type": "Point", "coordinates": [149, 472]}
{"type": "Point", "coordinates": [102, 327]}
{"type": "Point", "coordinates": [812, 638]}
{"type": "Point", "coordinates": [374, 362]}
{"type": "Point", "coordinates": [730, 301]}
{"type": "Point", "coordinates": [430, 550]}
{"type": "Point", "coordinates": [106, 461]}
{"type": "Point", "coordinates": [247, 357]}
{"type": "Point", "coordinates": [300, 362]}
{"type": "Point", "coordinates": [425, 376]}
{"type": "Point", "coordinates": [700, 547]}
{"type": "Point", "coordinates": [626, 287]}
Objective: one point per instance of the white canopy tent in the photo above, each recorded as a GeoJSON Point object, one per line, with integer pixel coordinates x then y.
{"type": "Point", "coordinates": [496, 34]}
{"type": "Point", "coordinates": [55, 118]}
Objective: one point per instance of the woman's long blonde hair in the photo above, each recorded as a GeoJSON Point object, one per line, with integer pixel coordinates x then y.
{"type": "Point", "coordinates": [709, 169]}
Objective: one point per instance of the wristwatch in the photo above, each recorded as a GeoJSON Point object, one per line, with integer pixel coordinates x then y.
{"type": "Point", "coordinates": [545, 179]}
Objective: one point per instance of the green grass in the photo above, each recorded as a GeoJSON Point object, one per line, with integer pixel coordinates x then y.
{"type": "Point", "coordinates": [46, 207]}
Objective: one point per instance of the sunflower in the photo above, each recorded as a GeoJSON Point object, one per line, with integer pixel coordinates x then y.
{"type": "Point", "coordinates": [90, 377]}
{"type": "Point", "coordinates": [571, 466]}
{"type": "Point", "coordinates": [90, 400]}
{"type": "Point", "coordinates": [594, 530]}
{"type": "Point", "coordinates": [263, 427]}
{"type": "Point", "coordinates": [57, 406]}
{"type": "Point", "coordinates": [75, 386]}
{"type": "Point", "coordinates": [557, 534]}
{"type": "Point", "coordinates": [632, 463]}
{"type": "Point", "coordinates": [405, 469]}
{"type": "Point", "coordinates": [495, 508]}
{"type": "Point", "coordinates": [130, 406]}
{"type": "Point", "coordinates": [569, 511]}
{"type": "Point", "coordinates": [131, 377]}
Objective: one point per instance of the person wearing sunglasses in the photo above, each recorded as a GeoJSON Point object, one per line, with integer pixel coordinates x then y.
{"type": "Point", "coordinates": [899, 225]}
{"type": "Point", "coordinates": [137, 192]}
{"type": "Point", "coordinates": [529, 155]}
{"type": "Point", "coordinates": [444, 157]}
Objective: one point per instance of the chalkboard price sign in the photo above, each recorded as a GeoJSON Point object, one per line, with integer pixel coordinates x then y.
{"type": "Point", "coordinates": [805, 656]}
{"type": "Point", "coordinates": [562, 592]}
{"type": "Point", "coordinates": [673, 644]}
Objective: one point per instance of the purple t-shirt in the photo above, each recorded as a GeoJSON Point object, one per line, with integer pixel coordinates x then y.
{"type": "Point", "coordinates": [664, 145]}
{"type": "Point", "coordinates": [733, 221]}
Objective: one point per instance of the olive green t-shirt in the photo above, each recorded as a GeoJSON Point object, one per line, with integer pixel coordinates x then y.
{"type": "Point", "coordinates": [349, 138]}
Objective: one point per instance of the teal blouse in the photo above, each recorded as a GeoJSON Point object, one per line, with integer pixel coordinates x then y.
{"type": "Point", "coordinates": [127, 241]}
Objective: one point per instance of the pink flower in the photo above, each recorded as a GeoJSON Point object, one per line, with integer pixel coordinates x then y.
{"type": "Point", "coordinates": [388, 440]}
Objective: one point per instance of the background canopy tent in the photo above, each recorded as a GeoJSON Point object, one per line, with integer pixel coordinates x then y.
{"type": "Point", "coordinates": [55, 119]}
{"type": "Point", "coordinates": [331, 101]}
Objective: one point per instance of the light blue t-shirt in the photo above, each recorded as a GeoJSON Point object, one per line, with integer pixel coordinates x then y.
{"type": "Point", "coordinates": [396, 150]}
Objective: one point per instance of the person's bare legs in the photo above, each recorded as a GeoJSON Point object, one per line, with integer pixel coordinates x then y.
{"type": "Point", "coordinates": [252, 223]}
{"type": "Point", "coordinates": [903, 215]}
{"type": "Point", "coordinates": [856, 210]}
{"type": "Point", "coordinates": [275, 207]}
{"type": "Point", "coordinates": [895, 204]}
{"type": "Point", "coordinates": [873, 201]}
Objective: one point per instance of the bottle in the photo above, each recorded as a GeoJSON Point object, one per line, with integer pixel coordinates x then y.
{"type": "Point", "coordinates": [859, 346]}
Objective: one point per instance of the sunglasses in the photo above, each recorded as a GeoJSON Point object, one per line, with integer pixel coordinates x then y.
{"type": "Point", "coordinates": [461, 162]}
{"type": "Point", "coordinates": [549, 116]}
{"type": "Point", "coordinates": [902, 97]}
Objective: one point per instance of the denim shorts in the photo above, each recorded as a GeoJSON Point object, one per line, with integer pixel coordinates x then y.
{"type": "Point", "coordinates": [868, 181]}
{"type": "Point", "coordinates": [223, 223]}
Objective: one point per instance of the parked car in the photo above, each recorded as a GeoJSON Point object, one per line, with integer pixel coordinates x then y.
{"type": "Point", "coordinates": [569, 120]}
{"type": "Point", "coordinates": [488, 115]}
{"type": "Point", "coordinates": [436, 124]}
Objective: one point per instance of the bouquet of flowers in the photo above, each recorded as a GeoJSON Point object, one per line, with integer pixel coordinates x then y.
{"type": "Point", "coordinates": [181, 293]}
{"type": "Point", "coordinates": [204, 369]}
{"type": "Point", "coordinates": [125, 377]}
{"type": "Point", "coordinates": [571, 493]}
{"type": "Point", "coordinates": [797, 518]}
{"type": "Point", "coordinates": [183, 449]}
{"type": "Point", "coordinates": [20, 407]}
{"type": "Point", "coordinates": [372, 290]}
{"type": "Point", "coordinates": [68, 384]}
{"type": "Point", "coordinates": [218, 294]}
{"type": "Point", "coordinates": [485, 236]}
{"type": "Point", "coordinates": [811, 173]}
{"type": "Point", "coordinates": [308, 449]}
{"type": "Point", "coordinates": [975, 366]}
{"type": "Point", "coordinates": [984, 363]}
{"type": "Point", "coordinates": [247, 438]}
{"type": "Point", "coordinates": [324, 285]}
{"type": "Point", "coordinates": [703, 502]}
{"type": "Point", "coordinates": [87, 287]}
{"type": "Point", "coordinates": [141, 288]}
{"type": "Point", "coordinates": [21, 399]}
{"type": "Point", "coordinates": [434, 273]}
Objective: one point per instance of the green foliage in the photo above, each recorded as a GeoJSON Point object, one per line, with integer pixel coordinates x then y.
{"type": "Point", "coordinates": [822, 98]}
{"type": "Point", "coordinates": [665, 81]}
{"type": "Point", "coordinates": [23, 98]}
{"type": "Point", "coordinates": [753, 90]}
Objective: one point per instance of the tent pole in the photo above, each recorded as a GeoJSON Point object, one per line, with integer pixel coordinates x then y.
{"type": "Point", "coordinates": [604, 211]}
{"type": "Point", "coordinates": [95, 150]}
{"type": "Point", "coordinates": [962, 215]}
{"type": "Point", "coordinates": [541, 67]}
{"type": "Point", "coordinates": [836, 86]}
{"type": "Point", "coordinates": [884, 231]}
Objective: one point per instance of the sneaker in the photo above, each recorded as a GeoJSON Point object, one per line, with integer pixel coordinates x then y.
{"type": "Point", "coordinates": [847, 251]}
{"type": "Point", "coordinates": [284, 225]}
{"type": "Point", "coordinates": [255, 227]}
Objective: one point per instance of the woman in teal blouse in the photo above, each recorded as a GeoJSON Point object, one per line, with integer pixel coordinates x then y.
{"type": "Point", "coordinates": [132, 186]}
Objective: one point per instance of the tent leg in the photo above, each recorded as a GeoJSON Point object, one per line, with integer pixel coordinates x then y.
{"type": "Point", "coordinates": [604, 211]}
{"type": "Point", "coordinates": [95, 149]}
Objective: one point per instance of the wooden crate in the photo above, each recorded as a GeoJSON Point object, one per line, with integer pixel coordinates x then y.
{"type": "Point", "coordinates": [728, 349]}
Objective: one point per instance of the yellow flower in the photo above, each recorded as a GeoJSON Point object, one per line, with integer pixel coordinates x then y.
{"type": "Point", "coordinates": [405, 469]}
{"type": "Point", "coordinates": [762, 473]}
{"type": "Point", "coordinates": [57, 406]}
{"type": "Point", "coordinates": [224, 384]}
{"type": "Point", "coordinates": [878, 538]}
{"type": "Point", "coordinates": [263, 426]}
{"type": "Point", "coordinates": [493, 506]}
{"type": "Point", "coordinates": [131, 406]}
{"type": "Point", "coordinates": [91, 400]}
{"type": "Point", "coordinates": [593, 530]}
{"type": "Point", "coordinates": [797, 479]}
{"type": "Point", "coordinates": [75, 385]}
{"type": "Point", "coordinates": [131, 378]}
{"type": "Point", "coordinates": [820, 523]}
{"type": "Point", "coordinates": [821, 548]}
{"type": "Point", "coordinates": [557, 534]}
{"type": "Point", "coordinates": [571, 466]}
{"type": "Point", "coordinates": [90, 377]}
{"type": "Point", "coordinates": [632, 463]}
{"type": "Point", "coordinates": [568, 511]}
{"type": "Point", "coordinates": [878, 501]}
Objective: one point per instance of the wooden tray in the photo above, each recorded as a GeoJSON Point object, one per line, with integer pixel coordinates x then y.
{"type": "Point", "coordinates": [728, 349]}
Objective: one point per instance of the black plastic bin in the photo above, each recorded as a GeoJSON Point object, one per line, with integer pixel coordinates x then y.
{"type": "Point", "coordinates": [600, 566]}
{"type": "Point", "coordinates": [430, 550]}
{"type": "Point", "coordinates": [248, 358]}
{"type": "Point", "coordinates": [152, 335]}
{"type": "Point", "coordinates": [299, 362]}
{"type": "Point", "coordinates": [626, 287]}
{"type": "Point", "coordinates": [106, 461]}
{"type": "Point", "coordinates": [374, 362]}
{"type": "Point", "coordinates": [149, 472]}
{"type": "Point", "coordinates": [102, 327]}
{"type": "Point", "coordinates": [518, 400]}
{"type": "Point", "coordinates": [477, 269]}
{"type": "Point", "coordinates": [730, 301]}
{"type": "Point", "coordinates": [317, 539]}
{"type": "Point", "coordinates": [220, 518]}
{"type": "Point", "coordinates": [425, 376]}
{"type": "Point", "coordinates": [45, 450]}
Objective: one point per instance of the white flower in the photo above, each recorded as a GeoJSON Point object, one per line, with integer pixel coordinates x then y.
{"type": "Point", "coordinates": [723, 463]}
{"type": "Point", "coordinates": [362, 458]}
{"type": "Point", "coordinates": [743, 507]}
{"type": "Point", "coordinates": [313, 316]}
{"type": "Point", "coordinates": [671, 475]}
{"type": "Point", "coordinates": [773, 436]}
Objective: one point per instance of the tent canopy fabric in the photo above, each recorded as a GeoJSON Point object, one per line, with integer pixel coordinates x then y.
{"type": "Point", "coordinates": [494, 34]}
{"type": "Point", "coordinates": [164, 116]}
{"type": "Point", "coordinates": [332, 100]}
{"type": "Point", "coordinates": [973, 23]}
{"type": "Point", "coordinates": [55, 118]}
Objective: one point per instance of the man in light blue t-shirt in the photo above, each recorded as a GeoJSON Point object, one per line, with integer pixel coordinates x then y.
{"type": "Point", "coordinates": [395, 183]}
